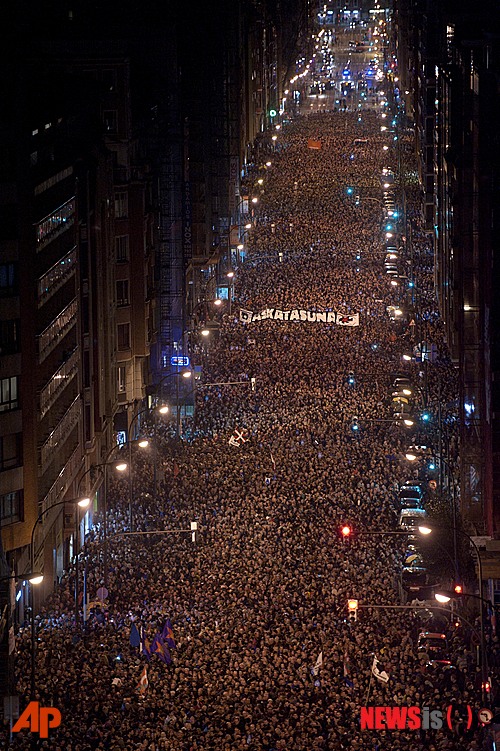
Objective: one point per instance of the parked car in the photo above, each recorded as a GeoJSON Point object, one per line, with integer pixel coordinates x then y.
{"type": "Point", "coordinates": [410, 519]}
{"type": "Point", "coordinates": [410, 496]}
{"type": "Point", "coordinates": [401, 381]}
{"type": "Point", "coordinates": [414, 579]}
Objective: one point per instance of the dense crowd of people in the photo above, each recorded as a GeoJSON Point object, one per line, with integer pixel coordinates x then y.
{"type": "Point", "coordinates": [265, 656]}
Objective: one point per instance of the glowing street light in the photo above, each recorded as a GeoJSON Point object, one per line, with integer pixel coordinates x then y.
{"type": "Point", "coordinates": [442, 598]}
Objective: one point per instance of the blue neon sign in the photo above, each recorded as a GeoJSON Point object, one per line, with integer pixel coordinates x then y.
{"type": "Point", "coordinates": [180, 361]}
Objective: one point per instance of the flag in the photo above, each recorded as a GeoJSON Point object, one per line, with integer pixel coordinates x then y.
{"type": "Point", "coordinates": [412, 557]}
{"type": "Point", "coordinates": [168, 634]}
{"type": "Point", "coordinates": [145, 645]}
{"type": "Point", "coordinates": [135, 639]}
{"type": "Point", "coordinates": [143, 681]}
{"type": "Point", "coordinates": [313, 143]}
{"type": "Point", "coordinates": [380, 674]}
{"type": "Point", "coordinates": [318, 664]}
{"type": "Point", "coordinates": [158, 647]}
{"type": "Point", "coordinates": [347, 680]}
{"type": "Point", "coordinates": [346, 664]}
{"type": "Point", "coordinates": [239, 437]}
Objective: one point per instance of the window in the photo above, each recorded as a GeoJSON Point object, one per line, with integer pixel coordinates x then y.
{"type": "Point", "coordinates": [8, 279]}
{"type": "Point", "coordinates": [121, 204]}
{"type": "Point", "coordinates": [110, 120]}
{"type": "Point", "coordinates": [122, 298]}
{"type": "Point", "coordinates": [123, 331]}
{"type": "Point", "coordinates": [11, 507]}
{"type": "Point", "coordinates": [109, 79]}
{"type": "Point", "coordinates": [9, 337]}
{"type": "Point", "coordinates": [11, 448]}
{"type": "Point", "coordinates": [121, 248]}
{"type": "Point", "coordinates": [122, 379]}
{"type": "Point", "coordinates": [9, 394]}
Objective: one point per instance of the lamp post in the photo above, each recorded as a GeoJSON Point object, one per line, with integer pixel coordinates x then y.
{"type": "Point", "coordinates": [143, 443]}
{"type": "Point", "coordinates": [411, 457]}
{"type": "Point", "coordinates": [230, 276]}
{"type": "Point", "coordinates": [78, 503]}
{"type": "Point", "coordinates": [121, 467]}
{"type": "Point", "coordinates": [425, 530]}
{"type": "Point", "coordinates": [178, 373]}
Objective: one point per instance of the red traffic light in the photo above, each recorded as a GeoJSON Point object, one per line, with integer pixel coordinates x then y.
{"type": "Point", "coordinates": [459, 590]}
{"type": "Point", "coordinates": [486, 686]}
{"type": "Point", "coordinates": [345, 531]}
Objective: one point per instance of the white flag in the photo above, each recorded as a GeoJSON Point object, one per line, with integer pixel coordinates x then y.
{"type": "Point", "coordinates": [318, 665]}
{"type": "Point", "coordinates": [380, 674]}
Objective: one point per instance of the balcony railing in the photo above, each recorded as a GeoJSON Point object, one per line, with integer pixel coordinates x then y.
{"type": "Point", "coordinates": [61, 378]}
{"type": "Point", "coordinates": [56, 276]}
{"type": "Point", "coordinates": [63, 481]}
{"type": "Point", "coordinates": [61, 431]}
{"type": "Point", "coordinates": [54, 224]}
{"type": "Point", "coordinates": [55, 331]}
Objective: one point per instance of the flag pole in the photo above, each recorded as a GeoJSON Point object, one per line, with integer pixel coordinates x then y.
{"type": "Point", "coordinates": [369, 688]}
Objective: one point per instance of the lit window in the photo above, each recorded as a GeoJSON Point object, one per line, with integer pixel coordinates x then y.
{"type": "Point", "coordinates": [9, 394]}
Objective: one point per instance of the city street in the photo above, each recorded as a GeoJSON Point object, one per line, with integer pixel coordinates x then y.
{"type": "Point", "coordinates": [266, 655]}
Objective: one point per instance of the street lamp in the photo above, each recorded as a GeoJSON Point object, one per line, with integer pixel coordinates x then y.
{"type": "Point", "coordinates": [120, 466]}
{"type": "Point", "coordinates": [143, 443]}
{"type": "Point", "coordinates": [33, 578]}
{"type": "Point", "coordinates": [178, 373]}
{"type": "Point", "coordinates": [426, 530]}
{"type": "Point", "coordinates": [78, 503]}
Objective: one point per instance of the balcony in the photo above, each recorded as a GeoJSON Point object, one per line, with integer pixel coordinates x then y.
{"type": "Point", "coordinates": [61, 378]}
{"type": "Point", "coordinates": [56, 276]}
{"type": "Point", "coordinates": [62, 430]}
{"type": "Point", "coordinates": [57, 330]}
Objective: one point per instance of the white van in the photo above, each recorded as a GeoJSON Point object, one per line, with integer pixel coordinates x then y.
{"type": "Point", "coordinates": [410, 519]}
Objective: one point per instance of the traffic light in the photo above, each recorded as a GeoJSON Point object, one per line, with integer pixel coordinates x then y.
{"type": "Point", "coordinates": [486, 687]}
{"type": "Point", "coordinates": [349, 191]}
{"type": "Point", "coordinates": [351, 379]}
{"type": "Point", "coordinates": [425, 416]}
{"type": "Point", "coordinates": [345, 531]}
{"type": "Point", "coordinates": [352, 611]}
{"type": "Point", "coordinates": [458, 589]}
{"type": "Point", "coordinates": [355, 425]}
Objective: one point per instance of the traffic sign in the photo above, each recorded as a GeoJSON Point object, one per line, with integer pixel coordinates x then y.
{"type": "Point", "coordinates": [485, 716]}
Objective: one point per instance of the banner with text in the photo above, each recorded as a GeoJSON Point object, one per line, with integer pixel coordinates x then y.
{"type": "Point", "coordinates": [300, 314]}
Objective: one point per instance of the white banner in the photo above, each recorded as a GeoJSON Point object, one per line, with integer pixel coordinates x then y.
{"type": "Point", "coordinates": [300, 314]}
